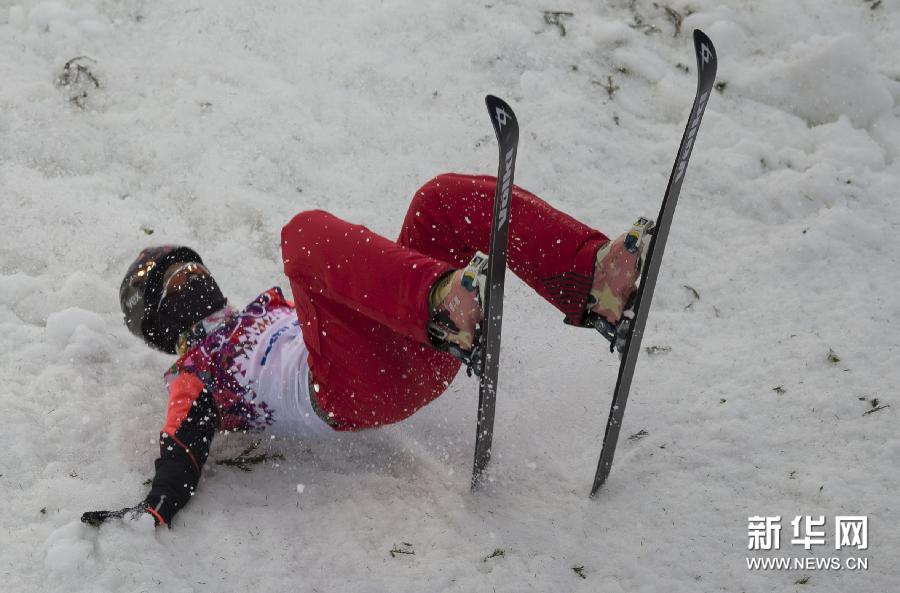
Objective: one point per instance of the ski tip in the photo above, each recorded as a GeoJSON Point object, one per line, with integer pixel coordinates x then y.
{"type": "Point", "coordinates": [495, 101]}
{"type": "Point", "coordinates": [502, 116]}
{"type": "Point", "coordinates": [701, 36]}
{"type": "Point", "coordinates": [707, 59]}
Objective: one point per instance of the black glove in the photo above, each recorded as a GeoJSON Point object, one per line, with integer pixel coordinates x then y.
{"type": "Point", "coordinates": [95, 518]}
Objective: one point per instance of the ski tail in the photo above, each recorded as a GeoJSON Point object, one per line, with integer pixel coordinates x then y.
{"type": "Point", "coordinates": [707, 63]}
{"type": "Point", "coordinates": [506, 128]}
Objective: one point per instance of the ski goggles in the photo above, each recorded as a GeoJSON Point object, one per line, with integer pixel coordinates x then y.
{"type": "Point", "coordinates": [178, 278]}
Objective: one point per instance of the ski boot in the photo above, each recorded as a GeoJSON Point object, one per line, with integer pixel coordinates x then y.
{"type": "Point", "coordinates": [457, 302]}
{"type": "Point", "coordinates": [616, 272]}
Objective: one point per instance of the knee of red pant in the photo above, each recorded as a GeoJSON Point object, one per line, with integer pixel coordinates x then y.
{"type": "Point", "coordinates": [435, 189]}
{"type": "Point", "coordinates": [298, 234]}
{"type": "Point", "coordinates": [304, 221]}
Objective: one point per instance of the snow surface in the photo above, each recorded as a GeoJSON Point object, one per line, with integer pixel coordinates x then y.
{"type": "Point", "coordinates": [214, 122]}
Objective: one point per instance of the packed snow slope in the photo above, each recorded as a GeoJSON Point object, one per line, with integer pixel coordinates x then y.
{"type": "Point", "coordinates": [772, 332]}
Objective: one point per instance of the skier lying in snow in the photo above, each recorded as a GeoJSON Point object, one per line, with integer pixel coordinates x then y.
{"type": "Point", "coordinates": [369, 338]}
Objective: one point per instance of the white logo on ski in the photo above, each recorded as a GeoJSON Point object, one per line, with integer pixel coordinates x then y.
{"type": "Point", "coordinates": [505, 189]}
{"type": "Point", "coordinates": [705, 54]}
{"type": "Point", "coordinates": [502, 117]}
{"type": "Point", "coordinates": [689, 141]}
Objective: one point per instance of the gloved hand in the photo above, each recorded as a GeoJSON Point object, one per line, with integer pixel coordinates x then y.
{"type": "Point", "coordinates": [96, 518]}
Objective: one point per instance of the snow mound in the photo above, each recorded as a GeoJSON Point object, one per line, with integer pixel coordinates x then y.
{"type": "Point", "coordinates": [823, 78]}
{"type": "Point", "coordinates": [81, 335]}
{"type": "Point", "coordinates": [68, 547]}
{"type": "Point", "coordinates": [63, 326]}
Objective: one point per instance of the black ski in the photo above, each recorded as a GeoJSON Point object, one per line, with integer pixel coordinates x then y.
{"type": "Point", "coordinates": [627, 335]}
{"type": "Point", "coordinates": [506, 127]}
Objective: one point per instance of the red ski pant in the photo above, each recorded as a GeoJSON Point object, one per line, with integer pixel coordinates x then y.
{"type": "Point", "coordinates": [362, 299]}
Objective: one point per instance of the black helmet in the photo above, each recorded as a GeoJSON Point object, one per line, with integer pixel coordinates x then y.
{"type": "Point", "coordinates": [140, 297]}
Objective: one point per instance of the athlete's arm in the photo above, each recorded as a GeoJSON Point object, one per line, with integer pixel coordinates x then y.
{"type": "Point", "coordinates": [184, 443]}
{"type": "Point", "coordinates": [191, 422]}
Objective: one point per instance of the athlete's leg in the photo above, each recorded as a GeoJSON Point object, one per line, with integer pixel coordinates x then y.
{"type": "Point", "coordinates": [450, 218]}
{"type": "Point", "coordinates": [362, 301]}
{"type": "Point", "coordinates": [361, 269]}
